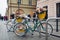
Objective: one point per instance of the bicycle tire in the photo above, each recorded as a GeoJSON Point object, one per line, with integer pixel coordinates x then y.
{"type": "Point", "coordinates": [44, 28]}
{"type": "Point", "coordinates": [8, 25]}
{"type": "Point", "coordinates": [20, 33]}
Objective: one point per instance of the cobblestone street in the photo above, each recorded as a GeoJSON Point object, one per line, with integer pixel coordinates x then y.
{"type": "Point", "coordinates": [4, 35]}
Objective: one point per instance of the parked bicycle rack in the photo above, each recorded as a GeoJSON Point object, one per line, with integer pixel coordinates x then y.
{"type": "Point", "coordinates": [56, 26]}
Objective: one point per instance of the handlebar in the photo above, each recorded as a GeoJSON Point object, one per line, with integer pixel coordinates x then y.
{"type": "Point", "coordinates": [26, 17]}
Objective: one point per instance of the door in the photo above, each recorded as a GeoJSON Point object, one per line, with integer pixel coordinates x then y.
{"type": "Point", "coordinates": [58, 9]}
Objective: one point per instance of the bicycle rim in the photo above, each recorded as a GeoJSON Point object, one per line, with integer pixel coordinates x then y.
{"type": "Point", "coordinates": [9, 25]}
{"type": "Point", "coordinates": [49, 28]}
{"type": "Point", "coordinates": [20, 29]}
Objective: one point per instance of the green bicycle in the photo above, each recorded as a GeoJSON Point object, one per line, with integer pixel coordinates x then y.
{"type": "Point", "coordinates": [31, 26]}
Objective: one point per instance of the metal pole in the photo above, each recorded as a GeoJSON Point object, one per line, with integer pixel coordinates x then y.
{"type": "Point", "coordinates": [19, 2]}
{"type": "Point", "coordinates": [18, 5]}
{"type": "Point", "coordinates": [56, 25]}
{"type": "Point", "coordinates": [46, 31]}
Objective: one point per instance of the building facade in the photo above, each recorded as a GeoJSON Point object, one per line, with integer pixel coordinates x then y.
{"type": "Point", "coordinates": [26, 5]}
{"type": "Point", "coordinates": [53, 7]}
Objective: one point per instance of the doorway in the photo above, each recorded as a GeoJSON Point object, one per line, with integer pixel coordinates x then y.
{"type": "Point", "coordinates": [58, 9]}
{"type": "Point", "coordinates": [46, 17]}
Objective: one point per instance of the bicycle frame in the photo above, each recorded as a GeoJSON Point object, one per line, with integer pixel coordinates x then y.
{"type": "Point", "coordinates": [35, 25]}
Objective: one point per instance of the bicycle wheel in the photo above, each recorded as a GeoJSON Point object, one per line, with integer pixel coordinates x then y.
{"type": "Point", "coordinates": [49, 28]}
{"type": "Point", "coordinates": [9, 25]}
{"type": "Point", "coordinates": [20, 29]}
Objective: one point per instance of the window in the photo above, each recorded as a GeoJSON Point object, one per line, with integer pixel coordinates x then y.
{"type": "Point", "coordinates": [58, 9]}
{"type": "Point", "coordinates": [30, 2]}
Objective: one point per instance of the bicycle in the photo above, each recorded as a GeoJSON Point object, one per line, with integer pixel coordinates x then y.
{"type": "Point", "coordinates": [23, 28]}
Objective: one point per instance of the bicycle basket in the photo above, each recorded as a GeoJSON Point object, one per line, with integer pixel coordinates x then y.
{"type": "Point", "coordinates": [19, 20]}
{"type": "Point", "coordinates": [41, 16]}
